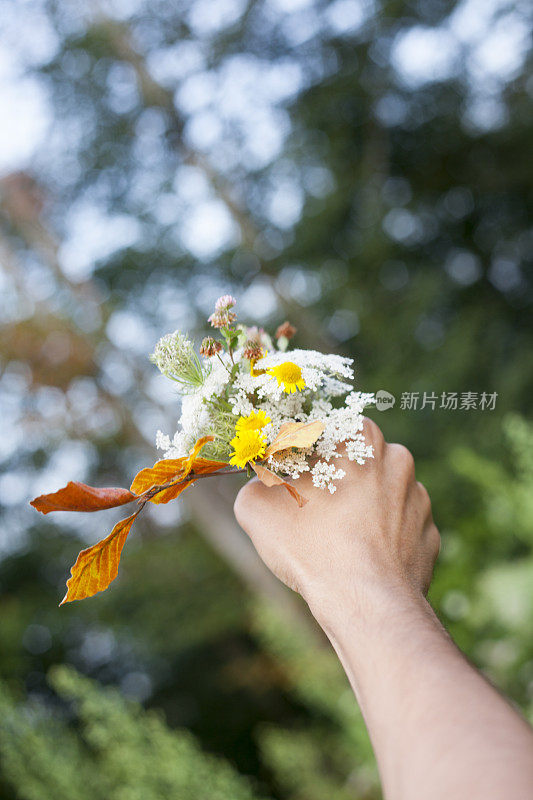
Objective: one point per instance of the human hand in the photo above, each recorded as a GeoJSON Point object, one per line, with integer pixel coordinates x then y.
{"type": "Point", "coordinates": [375, 535]}
{"type": "Point", "coordinates": [363, 559]}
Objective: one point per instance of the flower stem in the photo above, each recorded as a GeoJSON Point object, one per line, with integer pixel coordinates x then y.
{"type": "Point", "coordinates": [224, 365]}
{"type": "Point", "coordinates": [153, 490]}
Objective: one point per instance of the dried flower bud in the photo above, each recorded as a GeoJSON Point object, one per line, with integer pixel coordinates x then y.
{"type": "Point", "coordinates": [210, 347]}
{"type": "Point", "coordinates": [286, 330]}
{"type": "Point", "coordinates": [223, 316]}
{"type": "Point", "coordinates": [222, 319]}
{"type": "Point", "coordinates": [252, 350]}
{"type": "Point", "coordinates": [225, 302]}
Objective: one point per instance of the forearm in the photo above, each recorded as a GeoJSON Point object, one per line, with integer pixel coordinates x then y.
{"type": "Point", "coordinates": [364, 560]}
{"type": "Point", "coordinates": [438, 728]}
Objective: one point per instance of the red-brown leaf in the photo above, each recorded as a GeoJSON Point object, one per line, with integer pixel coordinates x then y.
{"type": "Point", "coordinates": [270, 478]}
{"type": "Point", "coordinates": [168, 470]}
{"type": "Point", "coordinates": [77, 496]}
{"type": "Point", "coordinates": [97, 566]}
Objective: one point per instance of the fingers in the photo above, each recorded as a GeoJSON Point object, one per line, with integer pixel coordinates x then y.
{"type": "Point", "coordinates": [249, 499]}
{"type": "Point", "coordinates": [257, 506]}
{"type": "Point", "coordinates": [424, 500]}
{"type": "Point", "coordinates": [433, 536]}
{"type": "Point", "coordinates": [401, 460]}
{"type": "Point", "coordinates": [431, 549]}
{"type": "Point", "coordinates": [373, 436]}
{"type": "Point", "coordinates": [398, 456]}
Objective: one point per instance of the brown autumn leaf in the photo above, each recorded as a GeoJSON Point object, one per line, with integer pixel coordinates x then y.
{"type": "Point", "coordinates": [162, 472]}
{"type": "Point", "coordinates": [168, 470]}
{"type": "Point", "coordinates": [97, 566]}
{"type": "Point", "coordinates": [270, 478]}
{"type": "Point", "coordinates": [295, 434]}
{"type": "Point", "coordinates": [193, 452]}
{"type": "Point", "coordinates": [77, 496]}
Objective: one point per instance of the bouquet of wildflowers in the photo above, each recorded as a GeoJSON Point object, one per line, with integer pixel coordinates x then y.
{"type": "Point", "coordinates": [249, 405]}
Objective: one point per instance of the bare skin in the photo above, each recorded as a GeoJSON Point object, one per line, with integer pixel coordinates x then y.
{"type": "Point", "coordinates": [363, 561]}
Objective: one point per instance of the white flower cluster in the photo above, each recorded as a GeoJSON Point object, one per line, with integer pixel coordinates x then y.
{"type": "Point", "coordinates": [341, 425]}
{"type": "Point", "coordinates": [197, 419]}
{"type": "Point", "coordinates": [213, 409]}
{"type": "Point", "coordinates": [324, 373]}
{"type": "Point", "coordinates": [324, 474]}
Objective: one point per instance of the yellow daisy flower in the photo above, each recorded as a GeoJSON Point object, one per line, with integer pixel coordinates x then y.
{"type": "Point", "coordinates": [247, 446]}
{"type": "Point", "coordinates": [289, 374]}
{"type": "Point", "coordinates": [253, 422]}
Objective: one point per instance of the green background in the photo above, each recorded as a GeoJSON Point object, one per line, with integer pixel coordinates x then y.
{"type": "Point", "coordinates": [361, 168]}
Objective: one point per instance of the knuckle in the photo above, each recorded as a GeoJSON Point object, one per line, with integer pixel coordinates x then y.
{"type": "Point", "coordinates": [242, 503]}
{"type": "Point", "coordinates": [403, 455]}
{"type": "Point", "coordinates": [425, 502]}
{"type": "Point", "coordinates": [372, 432]}
{"type": "Point", "coordinates": [247, 500]}
{"type": "Point", "coordinates": [239, 505]}
{"type": "Point", "coordinates": [435, 540]}
{"type": "Point", "coordinates": [424, 492]}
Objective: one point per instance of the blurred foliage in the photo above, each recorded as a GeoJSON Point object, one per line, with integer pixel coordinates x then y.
{"type": "Point", "coordinates": [362, 168]}
{"type": "Point", "coordinates": [118, 750]}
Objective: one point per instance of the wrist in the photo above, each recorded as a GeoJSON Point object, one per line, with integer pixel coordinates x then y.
{"type": "Point", "coordinates": [361, 611]}
{"type": "Point", "coordinates": [373, 630]}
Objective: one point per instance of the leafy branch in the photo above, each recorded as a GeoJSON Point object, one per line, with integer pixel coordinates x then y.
{"type": "Point", "coordinates": [97, 566]}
